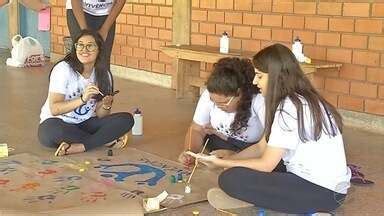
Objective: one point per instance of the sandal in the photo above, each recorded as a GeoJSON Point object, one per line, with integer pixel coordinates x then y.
{"type": "Point", "coordinates": [358, 178]}
{"type": "Point", "coordinates": [62, 147]}
{"type": "Point", "coordinates": [119, 143]}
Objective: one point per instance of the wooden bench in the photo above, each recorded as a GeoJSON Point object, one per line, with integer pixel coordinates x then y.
{"type": "Point", "coordinates": [189, 57]}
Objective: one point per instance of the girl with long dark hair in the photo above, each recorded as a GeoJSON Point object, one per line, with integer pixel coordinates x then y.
{"type": "Point", "coordinates": [77, 113]}
{"type": "Point", "coordinates": [230, 112]}
{"type": "Point", "coordinates": [303, 130]}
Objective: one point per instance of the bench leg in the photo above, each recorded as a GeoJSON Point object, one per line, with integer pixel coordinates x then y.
{"type": "Point", "coordinates": [185, 71]}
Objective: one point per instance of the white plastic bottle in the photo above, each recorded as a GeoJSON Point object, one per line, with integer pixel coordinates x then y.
{"type": "Point", "coordinates": [224, 43]}
{"type": "Point", "coordinates": [297, 48]}
{"type": "Point", "coordinates": [137, 128]}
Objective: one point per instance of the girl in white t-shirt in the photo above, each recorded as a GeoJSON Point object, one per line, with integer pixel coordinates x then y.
{"type": "Point", "coordinates": [230, 113]}
{"type": "Point", "coordinates": [301, 128]}
{"type": "Point", "coordinates": [76, 115]}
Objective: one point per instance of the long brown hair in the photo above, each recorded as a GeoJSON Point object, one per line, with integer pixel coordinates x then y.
{"type": "Point", "coordinates": [233, 77]}
{"type": "Point", "coordinates": [286, 79]}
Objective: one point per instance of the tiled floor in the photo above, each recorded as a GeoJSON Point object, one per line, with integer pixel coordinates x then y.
{"type": "Point", "coordinates": [23, 91]}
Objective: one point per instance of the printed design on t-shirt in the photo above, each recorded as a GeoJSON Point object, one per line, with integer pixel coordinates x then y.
{"type": "Point", "coordinates": [101, 4]}
{"type": "Point", "coordinates": [83, 109]}
{"type": "Point", "coordinates": [239, 135]}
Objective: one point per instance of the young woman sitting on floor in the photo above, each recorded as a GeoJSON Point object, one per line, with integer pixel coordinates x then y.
{"type": "Point", "coordinates": [301, 128]}
{"type": "Point", "coordinates": [230, 113]}
{"type": "Point", "coordinates": [76, 116]}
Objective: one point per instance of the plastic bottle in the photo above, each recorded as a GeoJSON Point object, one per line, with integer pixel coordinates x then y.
{"type": "Point", "coordinates": [224, 43]}
{"type": "Point", "coordinates": [297, 49]}
{"type": "Point", "coordinates": [137, 128]}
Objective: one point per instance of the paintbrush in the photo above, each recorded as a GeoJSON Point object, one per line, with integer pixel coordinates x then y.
{"type": "Point", "coordinates": [196, 162]}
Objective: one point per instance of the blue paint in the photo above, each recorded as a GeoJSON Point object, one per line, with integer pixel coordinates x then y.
{"type": "Point", "coordinates": [261, 212]}
{"type": "Point", "coordinates": [120, 176]}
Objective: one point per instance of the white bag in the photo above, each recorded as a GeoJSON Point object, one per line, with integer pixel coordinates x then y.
{"type": "Point", "coordinates": [26, 52]}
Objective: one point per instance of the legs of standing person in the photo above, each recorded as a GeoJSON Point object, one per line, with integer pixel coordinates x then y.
{"type": "Point", "coordinates": [279, 191]}
{"type": "Point", "coordinates": [106, 129]}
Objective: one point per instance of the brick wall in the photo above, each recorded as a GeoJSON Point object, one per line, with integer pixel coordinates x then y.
{"type": "Point", "coordinates": [347, 31]}
{"type": "Point", "coordinates": [142, 27]}
{"type": "Point", "coordinates": [350, 32]}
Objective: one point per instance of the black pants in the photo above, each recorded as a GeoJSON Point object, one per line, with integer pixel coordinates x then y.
{"type": "Point", "coordinates": [93, 23]}
{"type": "Point", "coordinates": [216, 143]}
{"type": "Point", "coordinates": [92, 133]}
{"type": "Point", "coordinates": [278, 191]}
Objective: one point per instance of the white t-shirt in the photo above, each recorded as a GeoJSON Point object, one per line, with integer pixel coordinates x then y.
{"type": "Point", "coordinates": [321, 162]}
{"type": "Point", "coordinates": [64, 81]}
{"type": "Point", "coordinates": [94, 7]}
{"type": "Point", "coordinates": [207, 112]}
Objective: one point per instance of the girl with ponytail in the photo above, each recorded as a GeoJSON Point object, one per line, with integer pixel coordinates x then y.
{"type": "Point", "coordinates": [230, 112]}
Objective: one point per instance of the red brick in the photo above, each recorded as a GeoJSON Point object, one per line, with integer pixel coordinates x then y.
{"type": "Point", "coordinates": [261, 33]}
{"type": "Point", "coordinates": [282, 6]}
{"type": "Point", "coordinates": [369, 26]}
{"type": "Point", "coordinates": [120, 39]}
{"type": "Point", "coordinates": [233, 18]}
{"type": "Point", "coordinates": [375, 75]}
{"type": "Point", "coordinates": [152, 32]}
{"type": "Point", "coordinates": [138, 9]}
{"type": "Point", "coordinates": [207, 28]}
{"type": "Point", "coordinates": [245, 5]}
{"type": "Point", "coordinates": [339, 55]}
{"type": "Point", "coordinates": [306, 37]}
{"type": "Point", "coordinates": [328, 72]}
{"type": "Point", "coordinates": [145, 65]}
{"type": "Point", "coordinates": [282, 35]}
{"type": "Point", "coordinates": [272, 20]}
{"type": "Point", "coordinates": [316, 23]}
{"type": "Point", "coordinates": [330, 97]}
{"type": "Point", "coordinates": [127, 9]}
{"type": "Point", "coordinates": [199, 15]}
{"type": "Point", "coordinates": [329, 8]}
{"type": "Point", "coordinates": [328, 39]}
{"type": "Point", "coordinates": [132, 19]}
{"type": "Point", "coordinates": [132, 62]}
{"type": "Point", "coordinates": [317, 81]}
{"type": "Point", "coordinates": [139, 31]}
{"type": "Point", "coordinates": [366, 58]}
{"type": "Point", "coordinates": [351, 103]}
{"type": "Point", "coordinates": [145, 43]}
{"type": "Point", "coordinates": [242, 31]}
{"type": "Point", "coordinates": [158, 2]}
{"type": "Point", "coordinates": [158, 67]}
{"type": "Point", "coordinates": [354, 41]}
{"type": "Point", "coordinates": [195, 3]}
{"type": "Point", "coordinates": [145, 21]}
{"type": "Point", "coordinates": [126, 50]}
{"type": "Point", "coordinates": [378, 9]}
{"type": "Point", "coordinates": [305, 7]}
{"type": "Point", "coordinates": [127, 29]}
{"type": "Point", "coordinates": [144, 1]}
{"type": "Point", "coordinates": [166, 11]}
{"type": "Point", "coordinates": [376, 43]}
{"type": "Point", "coordinates": [220, 28]}
{"type": "Point", "coordinates": [381, 92]}
{"type": "Point", "coordinates": [224, 4]}
{"type": "Point", "coordinates": [207, 4]}
{"type": "Point", "coordinates": [315, 52]}
{"type": "Point", "coordinates": [158, 22]}
{"type": "Point", "coordinates": [56, 11]}
{"type": "Point", "coordinates": [295, 22]}
{"type": "Point", "coordinates": [169, 70]}
{"type": "Point", "coordinates": [116, 49]}
{"type": "Point", "coordinates": [337, 85]}
{"type": "Point", "coordinates": [353, 72]}
{"type": "Point", "coordinates": [251, 19]}
{"type": "Point", "coordinates": [139, 52]}
{"type": "Point", "coordinates": [165, 34]}
{"type": "Point", "coordinates": [121, 60]}
{"type": "Point", "coordinates": [340, 24]}
{"type": "Point", "coordinates": [365, 90]}
{"type": "Point", "coordinates": [251, 45]}
{"type": "Point", "coordinates": [194, 27]}
{"type": "Point", "coordinates": [168, 23]}
{"type": "Point", "coordinates": [356, 9]}
{"type": "Point", "coordinates": [216, 16]}
{"type": "Point", "coordinates": [382, 60]}
{"type": "Point", "coordinates": [165, 58]}
{"type": "Point", "coordinates": [156, 44]}
{"type": "Point", "coordinates": [152, 10]}
{"type": "Point", "coordinates": [262, 5]}
{"type": "Point", "coordinates": [198, 39]}
{"type": "Point", "coordinates": [374, 106]}
{"type": "Point", "coordinates": [213, 40]}
{"type": "Point", "coordinates": [235, 44]}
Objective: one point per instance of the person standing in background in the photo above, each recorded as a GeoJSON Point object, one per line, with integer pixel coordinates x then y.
{"type": "Point", "coordinates": [97, 15]}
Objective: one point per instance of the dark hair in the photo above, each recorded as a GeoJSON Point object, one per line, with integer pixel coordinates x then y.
{"type": "Point", "coordinates": [286, 79]}
{"type": "Point", "coordinates": [234, 77]}
{"type": "Point", "coordinates": [104, 79]}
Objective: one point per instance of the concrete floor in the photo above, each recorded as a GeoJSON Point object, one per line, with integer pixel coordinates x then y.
{"type": "Point", "coordinates": [23, 91]}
